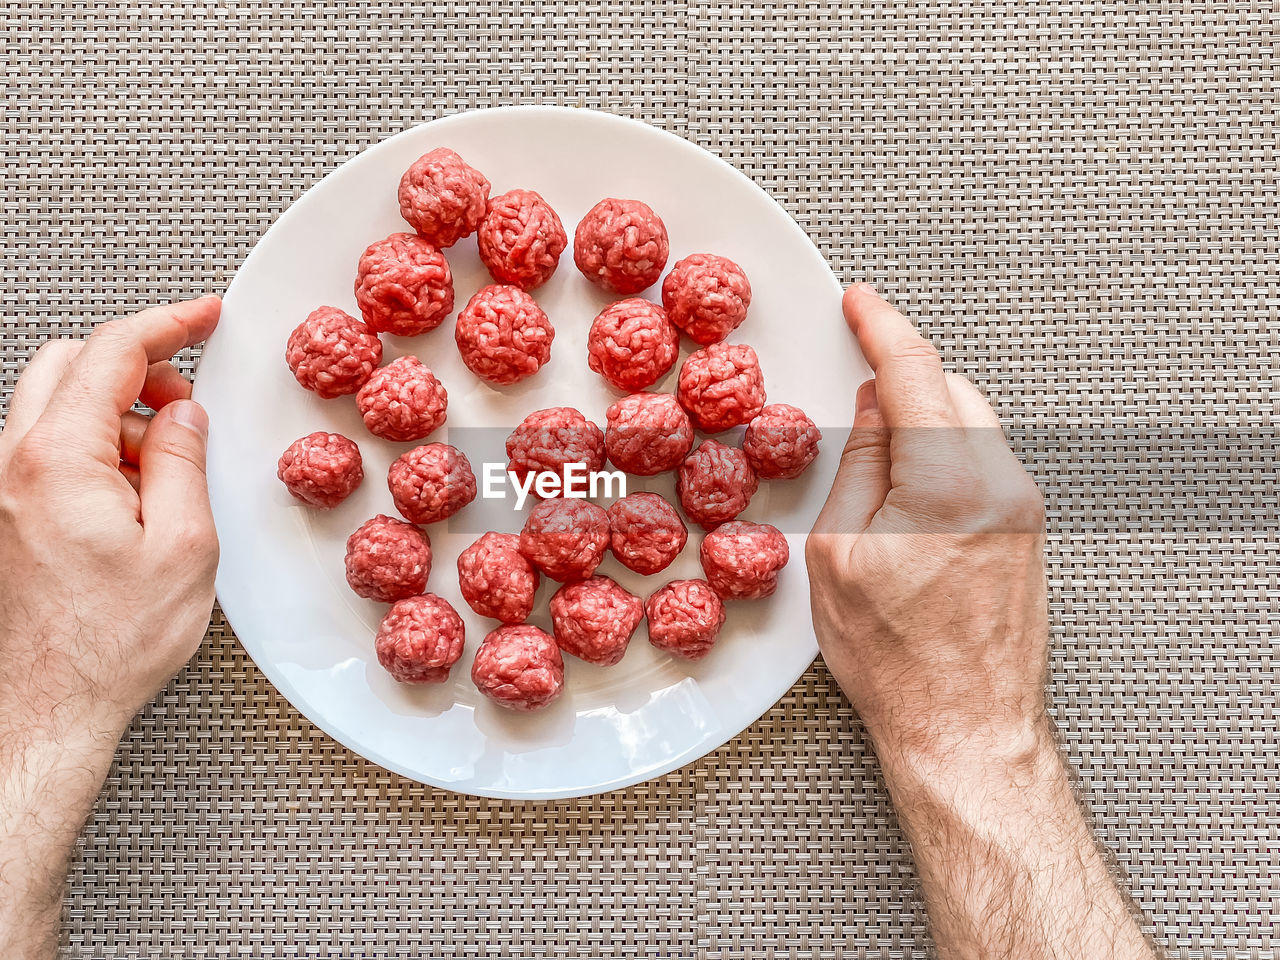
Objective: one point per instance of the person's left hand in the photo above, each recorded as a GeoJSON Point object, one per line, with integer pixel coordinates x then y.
{"type": "Point", "coordinates": [107, 544]}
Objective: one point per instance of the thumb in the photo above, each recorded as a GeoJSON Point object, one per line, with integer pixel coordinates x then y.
{"type": "Point", "coordinates": [174, 490]}
{"type": "Point", "coordinates": [862, 481]}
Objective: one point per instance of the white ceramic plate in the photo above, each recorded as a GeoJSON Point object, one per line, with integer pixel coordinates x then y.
{"type": "Point", "coordinates": [281, 579]}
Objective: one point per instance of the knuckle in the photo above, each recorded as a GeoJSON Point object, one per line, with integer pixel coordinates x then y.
{"type": "Point", "coordinates": [58, 350]}
{"type": "Point", "coordinates": [915, 348]}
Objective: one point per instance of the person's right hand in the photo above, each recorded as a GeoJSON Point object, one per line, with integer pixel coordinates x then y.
{"type": "Point", "coordinates": [926, 563]}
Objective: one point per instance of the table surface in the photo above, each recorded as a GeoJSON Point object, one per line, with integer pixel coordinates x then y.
{"type": "Point", "coordinates": [1079, 202]}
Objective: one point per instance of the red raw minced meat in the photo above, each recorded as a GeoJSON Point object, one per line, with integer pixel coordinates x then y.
{"type": "Point", "coordinates": [443, 197]}
{"type": "Point", "coordinates": [645, 532]}
{"type": "Point", "coordinates": [706, 296]}
{"type": "Point", "coordinates": [781, 442]}
{"type": "Point", "coordinates": [548, 439]}
{"type": "Point", "coordinates": [503, 335]}
{"type": "Point", "coordinates": [331, 353]}
{"type": "Point", "coordinates": [621, 246]}
{"type": "Point", "coordinates": [632, 344]}
{"type": "Point", "coordinates": [519, 666]}
{"type": "Point", "coordinates": [521, 239]}
{"type": "Point", "coordinates": [403, 401]}
{"type": "Point", "coordinates": [495, 578]}
{"type": "Point", "coordinates": [715, 483]}
{"type": "Point", "coordinates": [388, 560]}
{"type": "Point", "coordinates": [721, 386]}
{"type": "Point", "coordinates": [742, 560]}
{"type": "Point", "coordinates": [321, 469]}
{"type": "Point", "coordinates": [565, 538]}
{"type": "Point", "coordinates": [403, 286]}
{"type": "Point", "coordinates": [685, 618]}
{"type": "Point", "coordinates": [647, 433]}
{"type": "Point", "coordinates": [594, 619]}
{"type": "Point", "coordinates": [431, 483]}
{"type": "Point", "coordinates": [419, 639]}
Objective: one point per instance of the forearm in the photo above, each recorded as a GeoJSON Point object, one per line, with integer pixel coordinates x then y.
{"type": "Point", "coordinates": [48, 785]}
{"type": "Point", "coordinates": [1008, 864]}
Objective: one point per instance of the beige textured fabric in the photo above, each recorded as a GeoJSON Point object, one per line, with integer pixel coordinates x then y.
{"type": "Point", "coordinates": [1079, 198]}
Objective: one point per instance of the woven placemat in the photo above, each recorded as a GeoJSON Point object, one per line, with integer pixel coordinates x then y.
{"type": "Point", "coordinates": [1080, 202]}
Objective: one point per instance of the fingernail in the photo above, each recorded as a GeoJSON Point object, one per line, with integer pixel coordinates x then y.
{"type": "Point", "coordinates": [191, 415]}
{"type": "Point", "coordinates": [864, 287]}
{"type": "Point", "coordinates": [867, 399]}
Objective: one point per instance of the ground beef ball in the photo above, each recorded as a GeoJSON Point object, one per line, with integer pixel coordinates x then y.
{"type": "Point", "coordinates": [332, 353]}
{"type": "Point", "coordinates": [548, 439]}
{"type": "Point", "coordinates": [742, 560]}
{"type": "Point", "coordinates": [647, 433]}
{"type": "Point", "coordinates": [403, 286]}
{"type": "Point", "coordinates": [521, 239]}
{"type": "Point", "coordinates": [781, 442]}
{"type": "Point", "coordinates": [420, 639]}
{"type": "Point", "coordinates": [594, 619]}
{"type": "Point", "coordinates": [321, 469]}
{"type": "Point", "coordinates": [565, 538]}
{"type": "Point", "coordinates": [442, 197]}
{"type": "Point", "coordinates": [519, 667]}
{"type": "Point", "coordinates": [621, 246]}
{"type": "Point", "coordinates": [721, 386]}
{"type": "Point", "coordinates": [685, 618]}
{"type": "Point", "coordinates": [388, 560]}
{"type": "Point", "coordinates": [645, 532]}
{"type": "Point", "coordinates": [402, 401]}
{"type": "Point", "coordinates": [503, 335]}
{"type": "Point", "coordinates": [632, 344]}
{"type": "Point", "coordinates": [706, 296]}
{"type": "Point", "coordinates": [715, 483]}
{"type": "Point", "coordinates": [431, 483]}
{"type": "Point", "coordinates": [496, 579]}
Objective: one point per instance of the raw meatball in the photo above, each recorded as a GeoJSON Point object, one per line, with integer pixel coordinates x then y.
{"type": "Point", "coordinates": [781, 442]}
{"type": "Point", "coordinates": [721, 386]}
{"type": "Point", "coordinates": [503, 335]}
{"type": "Point", "coordinates": [647, 433]}
{"type": "Point", "coordinates": [431, 483]}
{"type": "Point", "coordinates": [706, 296]}
{"type": "Point", "coordinates": [594, 619]}
{"type": "Point", "coordinates": [388, 560]}
{"type": "Point", "coordinates": [403, 286]}
{"type": "Point", "coordinates": [621, 246]}
{"type": "Point", "coordinates": [645, 532]}
{"type": "Point", "coordinates": [321, 469]}
{"type": "Point", "coordinates": [742, 560]}
{"type": "Point", "coordinates": [565, 538]}
{"type": "Point", "coordinates": [442, 197]}
{"type": "Point", "coordinates": [521, 239]}
{"type": "Point", "coordinates": [402, 401]}
{"type": "Point", "coordinates": [332, 353]}
{"type": "Point", "coordinates": [715, 483]}
{"type": "Point", "coordinates": [519, 667]}
{"type": "Point", "coordinates": [632, 344]}
{"type": "Point", "coordinates": [685, 618]}
{"type": "Point", "coordinates": [420, 639]}
{"type": "Point", "coordinates": [548, 439]}
{"type": "Point", "coordinates": [496, 579]}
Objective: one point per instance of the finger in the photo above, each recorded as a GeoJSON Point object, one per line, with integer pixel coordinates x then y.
{"type": "Point", "coordinates": [131, 473]}
{"type": "Point", "coordinates": [175, 491]}
{"type": "Point", "coordinates": [133, 427]}
{"type": "Point", "coordinates": [37, 384]}
{"type": "Point", "coordinates": [862, 480]}
{"type": "Point", "coordinates": [910, 384]}
{"type": "Point", "coordinates": [164, 384]}
{"type": "Point", "coordinates": [109, 373]}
